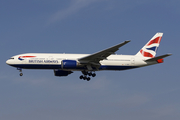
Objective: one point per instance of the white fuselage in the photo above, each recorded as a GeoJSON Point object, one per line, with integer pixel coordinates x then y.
{"type": "Point", "coordinates": [53, 61]}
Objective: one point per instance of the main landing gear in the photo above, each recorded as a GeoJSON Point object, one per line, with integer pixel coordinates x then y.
{"type": "Point", "coordinates": [85, 74]}
{"type": "Point", "coordinates": [20, 70]}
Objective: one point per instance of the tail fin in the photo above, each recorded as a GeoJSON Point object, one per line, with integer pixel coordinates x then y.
{"type": "Point", "coordinates": [150, 49]}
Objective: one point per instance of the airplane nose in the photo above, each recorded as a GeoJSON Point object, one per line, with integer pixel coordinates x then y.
{"type": "Point", "coordinates": [8, 62]}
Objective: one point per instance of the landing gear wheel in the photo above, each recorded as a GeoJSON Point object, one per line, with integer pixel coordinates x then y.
{"type": "Point", "coordinates": [88, 79]}
{"type": "Point", "coordinates": [85, 78]}
{"type": "Point", "coordinates": [21, 74]}
{"type": "Point", "coordinates": [86, 74]}
{"type": "Point", "coordinates": [81, 77]}
{"type": "Point", "coordinates": [90, 74]}
{"type": "Point", "coordinates": [94, 74]}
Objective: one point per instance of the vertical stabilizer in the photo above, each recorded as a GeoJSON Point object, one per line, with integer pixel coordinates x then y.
{"type": "Point", "coordinates": [150, 49]}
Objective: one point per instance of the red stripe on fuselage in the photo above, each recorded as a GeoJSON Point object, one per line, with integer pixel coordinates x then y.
{"type": "Point", "coordinates": [27, 56]}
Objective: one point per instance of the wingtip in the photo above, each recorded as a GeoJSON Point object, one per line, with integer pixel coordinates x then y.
{"type": "Point", "coordinates": [169, 54]}
{"type": "Point", "coordinates": [127, 41]}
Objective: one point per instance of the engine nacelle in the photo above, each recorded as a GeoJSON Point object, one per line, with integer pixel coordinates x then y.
{"type": "Point", "coordinates": [62, 73]}
{"type": "Point", "coordinates": [69, 64]}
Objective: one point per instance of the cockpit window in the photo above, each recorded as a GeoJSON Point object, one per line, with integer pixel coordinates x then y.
{"type": "Point", "coordinates": [11, 58]}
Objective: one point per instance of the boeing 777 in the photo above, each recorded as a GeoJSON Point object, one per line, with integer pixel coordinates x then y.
{"type": "Point", "coordinates": [65, 64]}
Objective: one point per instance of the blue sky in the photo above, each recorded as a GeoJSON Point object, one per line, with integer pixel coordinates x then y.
{"type": "Point", "coordinates": [87, 26]}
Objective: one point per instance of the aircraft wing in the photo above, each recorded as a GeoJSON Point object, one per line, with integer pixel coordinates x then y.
{"type": "Point", "coordinates": [101, 55]}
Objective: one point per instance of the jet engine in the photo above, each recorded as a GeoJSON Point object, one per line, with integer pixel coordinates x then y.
{"type": "Point", "coordinates": [69, 64]}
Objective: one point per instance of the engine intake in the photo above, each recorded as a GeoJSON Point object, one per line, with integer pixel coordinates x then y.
{"type": "Point", "coordinates": [69, 64]}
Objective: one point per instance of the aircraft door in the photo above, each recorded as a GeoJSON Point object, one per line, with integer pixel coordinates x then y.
{"type": "Point", "coordinates": [132, 61]}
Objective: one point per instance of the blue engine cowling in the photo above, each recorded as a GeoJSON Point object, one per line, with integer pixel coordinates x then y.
{"type": "Point", "coordinates": [62, 73]}
{"type": "Point", "coordinates": [69, 64]}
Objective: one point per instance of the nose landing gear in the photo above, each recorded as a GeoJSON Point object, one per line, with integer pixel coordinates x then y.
{"type": "Point", "coordinates": [21, 74]}
{"type": "Point", "coordinates": [20, 70]}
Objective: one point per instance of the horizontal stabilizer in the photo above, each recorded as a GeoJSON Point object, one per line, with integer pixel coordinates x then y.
{"type": "Point", "coordinates": [157, 58]}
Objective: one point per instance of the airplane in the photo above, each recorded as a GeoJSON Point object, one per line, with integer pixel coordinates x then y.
{"type": "Point", "coordinates": [88, 64]}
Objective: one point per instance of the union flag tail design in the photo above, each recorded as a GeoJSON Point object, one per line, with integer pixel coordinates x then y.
{"type": "Point", "coordinates": [150, 49]}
